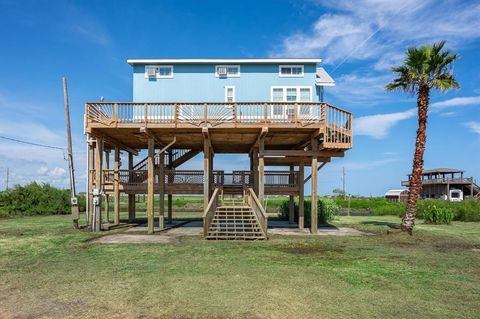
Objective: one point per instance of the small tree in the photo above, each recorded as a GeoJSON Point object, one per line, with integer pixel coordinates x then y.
{"type": "Point", "coordinates": [425, 68]}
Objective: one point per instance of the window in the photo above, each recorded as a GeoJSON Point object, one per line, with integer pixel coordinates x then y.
{"type": "Point", "coordinates": [305, 96]}
{"type": "Point", "coordinates": [159, 71]}
{"type": "Point", "coordinates": [227, 71]}
{"type": "Point", "coordinates": [291, 94]}
{"type": "Point", "coordinates": [277, 96]}
{"type": "Point", "coordinates": [229, 94]}
{"type": "Point", "coordinates": [291, 71]}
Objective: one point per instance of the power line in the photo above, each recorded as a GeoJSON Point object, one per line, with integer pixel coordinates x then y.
{"type": "Point", "coordinates": [31, 143]}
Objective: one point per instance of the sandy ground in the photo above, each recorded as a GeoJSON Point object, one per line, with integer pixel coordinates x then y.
{"type": "Point", "coordinates": [138, 235]}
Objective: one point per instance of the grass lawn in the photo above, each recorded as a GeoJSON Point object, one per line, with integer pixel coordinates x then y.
{"type": "Point", "coordinates": [47, 269]}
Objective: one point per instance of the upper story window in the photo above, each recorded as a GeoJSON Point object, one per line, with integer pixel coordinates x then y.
{"type": "Point", "coordinates": [291, 70]}
{"type": "Point", "coordinates": [159, 71]}
{"type": "Point", "coordinates": [227, 71]}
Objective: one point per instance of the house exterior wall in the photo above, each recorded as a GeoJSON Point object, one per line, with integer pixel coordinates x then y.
{"type": "Point", "coordinates": [198, 83]}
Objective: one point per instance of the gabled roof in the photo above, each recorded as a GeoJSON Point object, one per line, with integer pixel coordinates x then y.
{"type": "Point", "coordinates": [323, 78]}
{"type": "Point", "coordinates": [222, 61]}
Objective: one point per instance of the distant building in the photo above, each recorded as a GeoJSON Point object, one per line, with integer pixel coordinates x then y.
{"type": "Point", "coordinates": [446, 183]}
{"type": "Point", "coordinates": [397, 195]}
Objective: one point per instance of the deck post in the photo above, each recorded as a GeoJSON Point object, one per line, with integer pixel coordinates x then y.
{"type": "Point", "coordinates": [131, 197]}
{"type": "Point", "coordinates": [170, 180]}
{"type": "Point", "coordinates": [314, 207]}
{"type": "Point", "coordinates": [255, 170]}
{"type": "Point", "coordinates": [210, 178]}
{"type": "Point", "coordinates": [116, 186]}
{"type": "Point", "coordinates": [161, 191]}
{"type": "Point", "coordinates": [261, 173]}
{"type": "Point", "coordinates": [98, 182]}
{"type": "Point", "coordinates": [150, 179]}
{"type": "Point", "coordinates": [291, 208]}
{"type": "Point", "coordinates": [301, 208]}
{"type": "Point", "coordinates": [91, 165]}
{"type": "Point", "coordinates": [206, 173]}
{"type": "Point", "coordinates": [107, 196]}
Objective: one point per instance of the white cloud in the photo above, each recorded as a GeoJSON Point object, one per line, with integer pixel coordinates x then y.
{"type": "Point", "coordinates": [379, 29]}
{"type": "Point", "coordinates": [379, 125]}
{"type": "Point", "coordinates": [57, 172]}
{"type": "Point", "coordinates": [473, 126]}
{"type": "Point", "coordinates": [42, 170]}
{"type": "Point", "coordinates": [358, 88]}
{"type": "Point", "coordinates": [457, 101]}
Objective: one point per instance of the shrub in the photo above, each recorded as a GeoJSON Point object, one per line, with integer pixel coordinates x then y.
{"type": "Point", "coordinates": [326, 212]}
{"type": "Point", "coordinates": [34, 199]}
{"type": "Point", "coordinates": [377, 205]}
{"type": "Point", "coordinates": [434, 214]}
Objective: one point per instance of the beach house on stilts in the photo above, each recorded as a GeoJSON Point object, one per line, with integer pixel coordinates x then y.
{"type": "Point", "coordinates": [271, 109]}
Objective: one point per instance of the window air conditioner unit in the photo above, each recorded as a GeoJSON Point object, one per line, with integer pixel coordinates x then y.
{"type": "Point", "coordinates": [222, 71]}
{"type": "Point", "coordinates": [151, 72]}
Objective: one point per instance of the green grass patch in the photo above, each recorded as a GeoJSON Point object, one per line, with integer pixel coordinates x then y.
{"type": "Point", "coordinates": [50, 270]}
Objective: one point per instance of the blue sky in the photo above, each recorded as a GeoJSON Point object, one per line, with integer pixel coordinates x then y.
{"type": "Point", "coordinates": [359, 41]}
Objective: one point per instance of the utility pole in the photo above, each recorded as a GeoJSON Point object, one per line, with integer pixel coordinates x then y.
{"type": "Point", "coordinates": [343, 181]}
{"type": "Point", "coordinates": [74, 203]}
{"type": "Point", "coordinates": [8, 173]}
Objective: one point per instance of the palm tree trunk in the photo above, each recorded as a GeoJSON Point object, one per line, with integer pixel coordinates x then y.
{"type": "Point", "coordinates": [408, 221]}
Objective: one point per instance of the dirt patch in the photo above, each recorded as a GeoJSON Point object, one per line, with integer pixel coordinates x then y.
{"type": "Point", "coordinates": [136, 239]}
{"type": "Point", "coordinates": [449, 246]}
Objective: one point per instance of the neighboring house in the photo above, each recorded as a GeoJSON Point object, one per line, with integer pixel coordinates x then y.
{"type": "Point", "coordinates": [396, 195]}
{"type": "Point", "coordinates": [270, 109]}
{"type": "Point", "coordinates": [446, 183]}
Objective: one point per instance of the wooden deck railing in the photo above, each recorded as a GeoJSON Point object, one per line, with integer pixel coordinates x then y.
{"type": "Point", "coordinates": [446, 180]}
{"type": "Point", "coordinates": [337, 128]}
{"type": "Point", "coordinates": [260, 214]}
{"type": "Point", "coordinates": [138, 177]}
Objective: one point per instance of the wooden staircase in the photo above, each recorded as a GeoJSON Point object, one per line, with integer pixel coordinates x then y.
{"type": "Point", "coordinates": [235, 219]}
{"type": "Point", "coordinates": [236, 223]}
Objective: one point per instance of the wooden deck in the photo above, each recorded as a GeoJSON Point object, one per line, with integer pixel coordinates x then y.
{"type": "Point", "coordinates": [234, 127]}
{"type": "Point", "coordinates": [272, 134]}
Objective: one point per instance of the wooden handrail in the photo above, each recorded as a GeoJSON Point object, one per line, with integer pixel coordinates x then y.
{"type": "Point", "coordinates": [210, 212]}
{"type": "Point", "coordinates": [258, 209]}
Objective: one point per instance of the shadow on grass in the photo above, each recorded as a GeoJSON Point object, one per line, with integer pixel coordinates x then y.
{"type": "Point", "coordinates": [378, 223]}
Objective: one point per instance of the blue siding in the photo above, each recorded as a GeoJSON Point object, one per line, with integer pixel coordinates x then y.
{"type": "Point", "coordinates": [198, 83]}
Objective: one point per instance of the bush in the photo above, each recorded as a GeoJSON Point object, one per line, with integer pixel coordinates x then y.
{"type": "Point", "coordinates": [433, 214]}
{"type": "Point", "coordinates": [466, 211]}
{"type": "Point", "coordinates": [34, 199]}
{"type": "Point", "coordinates": [326, 212]}
{"type": "Point", "coordinates": [378, 206]}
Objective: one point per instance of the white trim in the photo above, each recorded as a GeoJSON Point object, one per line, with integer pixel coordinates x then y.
{"type": "Point", "coordinates": [157, 72]}
{"type": "Point", "coordinates": [220, 61]}
{"type": "Point", "coordinates": [226, 90]}
{"type": "Point", "coordinates": [291, 75]}
{"type": "Point", "coordinates": [227, 66]}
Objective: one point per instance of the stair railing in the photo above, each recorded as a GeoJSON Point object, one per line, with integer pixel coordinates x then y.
{"type": "Point", "coordinates": [258, 209]}
{"type": "Point", "coordinates": [210, 212]}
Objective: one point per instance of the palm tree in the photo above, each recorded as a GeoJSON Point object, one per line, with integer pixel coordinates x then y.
{"type": "Point", "coordinates": [425, 68]}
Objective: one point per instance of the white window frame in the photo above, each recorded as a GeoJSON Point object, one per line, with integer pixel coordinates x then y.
{"type": "Point", "coordinates": [227, 66]}
{"type": "Point", "coordinates": [301, 75]}
{"type": "Point", "coordinates": [284, 91]}
{"type": "Point", "coordinates": [284, 88]}
{"type": "Point", "coordinates": [157, 72]}
{"type": "Point", "coordinates": [226, 93]}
